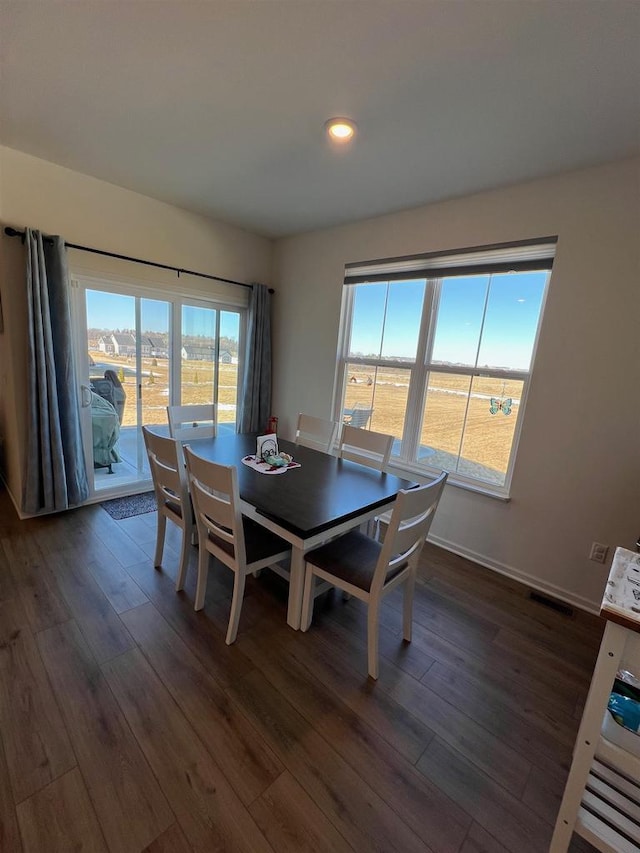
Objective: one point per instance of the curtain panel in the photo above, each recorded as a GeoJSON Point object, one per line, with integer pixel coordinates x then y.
{"type": "Point", "coordinates": [55, 476]}
{"type": "Point", "coordinates": [255, 406]}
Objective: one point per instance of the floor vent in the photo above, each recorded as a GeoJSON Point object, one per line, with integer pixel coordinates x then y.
{"type": "Point", "coordinates": [559, 606]}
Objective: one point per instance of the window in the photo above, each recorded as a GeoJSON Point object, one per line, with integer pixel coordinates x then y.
{"type": "Point", "coordinates": [438, 351]}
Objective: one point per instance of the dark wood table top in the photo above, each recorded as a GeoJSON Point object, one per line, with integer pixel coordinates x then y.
{"type": "Point", "coordinates": [323, 492]}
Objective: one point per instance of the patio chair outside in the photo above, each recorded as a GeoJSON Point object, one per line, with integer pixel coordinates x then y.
{"type": "Point", "coordinates": [359, 416]}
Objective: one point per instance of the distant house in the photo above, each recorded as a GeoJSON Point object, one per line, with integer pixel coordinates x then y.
{"type": "Point", "coordinates": [198, 352]}
{"type": "Point", "coordinates": [123, 343]}
{"type": "Point", "coordinates": [226, 357]}
{"type": "Point", "coordinates": [158, 347]}
{"type": "Point", "coordinates": [105, 344]}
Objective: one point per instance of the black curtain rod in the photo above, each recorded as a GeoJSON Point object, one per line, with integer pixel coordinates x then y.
{"type": "Point", "coordinates": [13, 232]}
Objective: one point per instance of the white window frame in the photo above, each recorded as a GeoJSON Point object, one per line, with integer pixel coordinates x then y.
{"type": "Point", "coordinates": [176, 299]}
{"type": "Point", "coordinates": [142, 289]}
{"type": "Point", "coordinates": [459, 263]}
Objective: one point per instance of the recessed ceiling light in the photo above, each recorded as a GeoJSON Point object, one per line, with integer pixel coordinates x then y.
{"type": "Point", "coordinates": [340, 129]}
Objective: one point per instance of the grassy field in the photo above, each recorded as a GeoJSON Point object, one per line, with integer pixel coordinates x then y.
{"type": "Point", "coordinates": [484, 451]}
{"type": "Point", "coordinates": [197, 386]}
{"type": "Point", "coordinates": [487, 437]}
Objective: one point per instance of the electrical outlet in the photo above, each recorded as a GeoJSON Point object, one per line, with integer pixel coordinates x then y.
{"type": "Point", "coordinates": [598, 552]}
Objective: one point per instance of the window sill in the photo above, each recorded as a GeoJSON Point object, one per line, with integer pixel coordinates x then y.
{"type": "Point", "coordinates": [404, 469]}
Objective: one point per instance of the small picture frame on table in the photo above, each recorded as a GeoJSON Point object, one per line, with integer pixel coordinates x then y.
{"type": "Point", "coordinates": [267, 445]}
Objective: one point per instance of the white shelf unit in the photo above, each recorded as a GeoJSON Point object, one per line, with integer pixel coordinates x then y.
{"type": "Point", "coordinates": [601, 800]}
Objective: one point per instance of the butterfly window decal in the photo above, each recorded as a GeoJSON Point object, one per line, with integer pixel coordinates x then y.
{"type": "Point", "coordinates": [501, 404]}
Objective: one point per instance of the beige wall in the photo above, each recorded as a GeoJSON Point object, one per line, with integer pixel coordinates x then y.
{"type": "Point", "coordinates": [577, 473]}
{"type": "Point", "coordinates": [94, 213]}
{"type": "Point", "coordinates": [577, 476]}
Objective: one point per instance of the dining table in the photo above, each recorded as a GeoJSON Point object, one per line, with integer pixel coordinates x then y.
{"type": "Point", "coordinates": [307, 505]}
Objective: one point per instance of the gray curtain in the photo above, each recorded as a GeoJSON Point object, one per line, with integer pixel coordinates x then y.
{"type": "Point", "coordinates": [255, 405]}
{"type": "Point", "coordinates": [56, 475]}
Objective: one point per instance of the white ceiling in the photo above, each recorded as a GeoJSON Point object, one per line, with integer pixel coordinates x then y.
{"type": "Point", "coordinates": [219, 107]}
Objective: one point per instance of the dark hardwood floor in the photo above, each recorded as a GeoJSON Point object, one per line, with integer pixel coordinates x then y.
{"type": "Point", "coordinates": [127, 724]}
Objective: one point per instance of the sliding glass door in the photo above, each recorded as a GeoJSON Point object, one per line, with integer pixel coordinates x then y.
{"type": "Point", "coordinates": [228, 377]}
{"type": "Point", "coordinates": [209, 360]}
{"type": "Point", "coordinates": [127, 370]}
{"type": "Point", "coordinates": [198, 343]}
{"type": "Point", "coordinates": [137, 354]}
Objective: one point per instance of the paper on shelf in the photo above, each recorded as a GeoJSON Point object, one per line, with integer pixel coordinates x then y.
{"type": "Point", "coordinates": [622, 593]}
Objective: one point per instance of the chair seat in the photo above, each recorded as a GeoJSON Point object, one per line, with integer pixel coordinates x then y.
{"type": "Point", "coordinates": [352, 558]}
{"type": "Point", "coordinates": [259, 542]}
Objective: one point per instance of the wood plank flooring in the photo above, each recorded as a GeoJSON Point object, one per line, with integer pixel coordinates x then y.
{"type": "Point", "coordinates": [127, 724]}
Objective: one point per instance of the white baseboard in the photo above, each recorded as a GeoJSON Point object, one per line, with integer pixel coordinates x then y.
{"type": "Point", "coordinates": [145, 486]}
{"type": "Point", "coordinates": [522, 577]}
{"type": "Point", "coordinates": [16, 506]}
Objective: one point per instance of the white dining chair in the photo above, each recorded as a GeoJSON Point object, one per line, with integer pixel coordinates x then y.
{"type": "Point", "coordinates": [366, 447]}
{"type": "Point", "coordinates": [223, 532]}
{"type": "Point", "coordinates": [172, 496]}
{"type": "Point", "coordinates": [316, 433]}
{"type": "Point", "coordinates": [189, 422]}
{"type": "Point", "coordinates": [369, 570]}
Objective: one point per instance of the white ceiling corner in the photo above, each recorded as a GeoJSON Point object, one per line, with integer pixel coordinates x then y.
{"type": "Point", "coordinates": [219, 107]}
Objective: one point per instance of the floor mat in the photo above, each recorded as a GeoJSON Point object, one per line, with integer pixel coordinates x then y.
{"type": "Point", "coordinates": [132, 505]}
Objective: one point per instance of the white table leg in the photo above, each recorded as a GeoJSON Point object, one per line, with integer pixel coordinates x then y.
{"type": "Point", "coordinates": [296, 588]}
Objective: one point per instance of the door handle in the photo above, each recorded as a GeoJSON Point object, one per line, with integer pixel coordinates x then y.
{"type": "Point", "coordinates": [85, 396]}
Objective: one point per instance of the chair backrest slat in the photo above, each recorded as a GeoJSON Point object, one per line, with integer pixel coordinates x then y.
{"type": "Point", "coordinates": [409, 526]}
{"type": "Point", "coordinates": [189, 422]}
{"type": "Point", "coordinates": [167, 479]}
{"type": "Point", "coordinates": [214, 513]}
{"type": "Point", "coordinates": [366, 447]}
{"type": "Point", "coordinates": [216, 501]}
{"type": "Point", "coordinates": [316, 433]}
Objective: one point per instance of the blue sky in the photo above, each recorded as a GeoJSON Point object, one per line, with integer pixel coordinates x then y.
{"type": "Point", "coordinates": [116, 311]}
{"type": "Point", "coordinates": [513, 307]}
